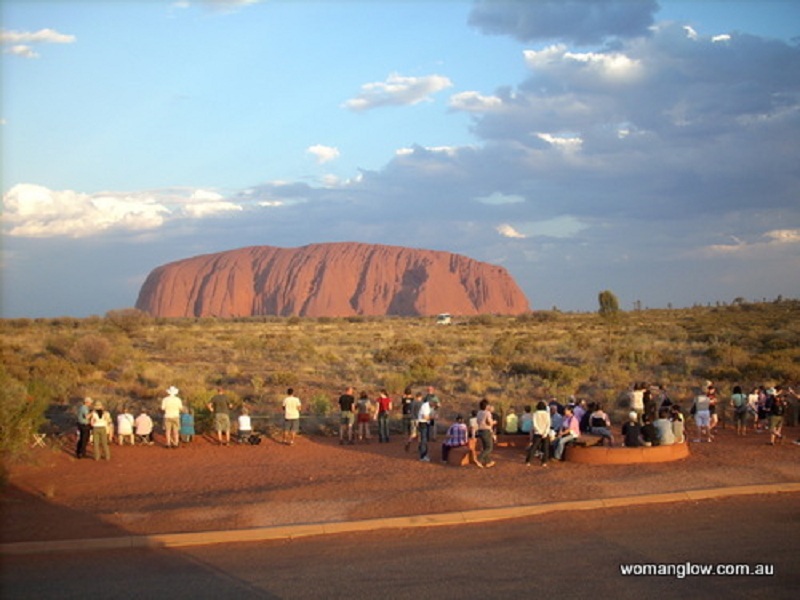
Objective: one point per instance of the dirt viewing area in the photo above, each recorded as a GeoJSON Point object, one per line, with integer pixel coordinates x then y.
{"type": "Point", "coordinates": [203, 486]}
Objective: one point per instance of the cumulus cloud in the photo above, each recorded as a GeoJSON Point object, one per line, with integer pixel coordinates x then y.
{"type": "Point", "coordinates": [20, 43]}
{"type": "Point", "coordinates": [397, 90]}
{"type": "Point", "coordinates": [36, 211]}
{"type": "Point", "coordinates": [508, 231]}
{"type": "Point", "coordinates": [322, 153]}
{"type": "Point", "coordinates": [579, 21]}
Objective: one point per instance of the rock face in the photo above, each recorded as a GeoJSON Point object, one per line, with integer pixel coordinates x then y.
{"type": "Point", "coordinates": [329, 280]}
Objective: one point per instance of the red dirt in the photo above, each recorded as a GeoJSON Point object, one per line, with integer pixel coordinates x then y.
{"type": "Point", "coordinates": [203, 486]}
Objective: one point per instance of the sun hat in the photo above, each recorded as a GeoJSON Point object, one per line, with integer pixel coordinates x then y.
{"type": "Point", "coordinates": [173, 391]}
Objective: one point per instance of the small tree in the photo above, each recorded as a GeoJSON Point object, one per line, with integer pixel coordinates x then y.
{"type": "Point", "coordinates": [609, 305]}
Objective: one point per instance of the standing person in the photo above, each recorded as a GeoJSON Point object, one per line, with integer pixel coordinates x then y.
{"type": "Point", "coordinates": [416, 404]}
{"type": "Point", "coordinates": [486, 424]}
{"type": "Point", "coordinates": [436, 405]}
{"type": "Point", "coordinates": [364, 415]}
{"type": "Point", "coordinates": [171, 406]}
{"type": "Point", "coordinates": [570, 430]}
{"type": "Point", "coordinates": [637, 399]}
{"type": "Point", "coordinates": [711, 392]}
{"type": "Point", "coordinates": [84, 429]}
{"type": "Point", "coordinates": [187, 425]}
{"type": "Point", "coordinates": [406, 409]}
{"type": "Point", "coordinates": [702, 417]}
{"type": "Point", "coordinates": [220, 405]}
{"type": "Point", "coordinates": [457, 435]}
{"type": "Point", "coordinates": [291, 417]}
{"type": "Point", "coordinates": [777, 410]}
{"type": "Point", "coordinates": [540, 435]}
{"type": "Point", "coordinates": [125, 427]}
{"type": "Point", "coordinates": [423, 429]}
{"type": "Point", "coordinates": [739, 404]}
{"type": "Point", "coordinates": [384, 410]}
{"type": "Point", "coordinates": [100, 420]}
{"type": "Point", "coordinates": [346, 403]}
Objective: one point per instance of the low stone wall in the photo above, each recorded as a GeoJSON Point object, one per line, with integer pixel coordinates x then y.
{"type": "Point", "coordinates": [603, 455]}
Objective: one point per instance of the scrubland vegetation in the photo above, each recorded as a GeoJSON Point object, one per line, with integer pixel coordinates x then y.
{"type": "Point", "coordinates": [129, 358]}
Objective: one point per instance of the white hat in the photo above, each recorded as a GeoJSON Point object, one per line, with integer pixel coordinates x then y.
{"type": "Point", "coordinates": [173, 391]}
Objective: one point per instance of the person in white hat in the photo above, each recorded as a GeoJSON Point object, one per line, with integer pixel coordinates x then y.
{"type": "Point", "coordinates": [172, 406]}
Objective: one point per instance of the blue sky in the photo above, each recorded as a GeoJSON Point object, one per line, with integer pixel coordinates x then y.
{"type": "Point", "coordinates": [649, 147]}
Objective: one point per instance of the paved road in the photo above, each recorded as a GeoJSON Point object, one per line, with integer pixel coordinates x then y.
{"type": "Point", "coordinates": [575, 555]}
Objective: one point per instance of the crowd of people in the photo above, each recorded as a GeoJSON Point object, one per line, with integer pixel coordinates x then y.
{"type": "Point", "coordinates": [653, 419]}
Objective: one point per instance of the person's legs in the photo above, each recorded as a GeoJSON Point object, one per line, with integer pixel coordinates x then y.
{"type": "Point", "coordinates": [423, 441]}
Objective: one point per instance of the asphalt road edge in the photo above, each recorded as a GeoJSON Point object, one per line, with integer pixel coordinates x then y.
{"type": "Point", "coordinates": [289, 532]}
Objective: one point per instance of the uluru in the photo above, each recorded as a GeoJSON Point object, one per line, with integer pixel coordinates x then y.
{"type": "Point", "coordinates": [329, 280]}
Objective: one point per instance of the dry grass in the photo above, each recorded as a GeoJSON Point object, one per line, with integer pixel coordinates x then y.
{"type": "Point", "coordinates": [513, 360]}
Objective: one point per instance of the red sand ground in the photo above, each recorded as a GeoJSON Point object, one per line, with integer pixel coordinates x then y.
{"type": "Point", "coordinates": [203, 486]}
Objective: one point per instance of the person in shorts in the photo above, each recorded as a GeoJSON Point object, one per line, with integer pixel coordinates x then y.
{"type": "Point", "coordinates": [220, 405]}
{"type": "Point", "coordinates": [291, 417]}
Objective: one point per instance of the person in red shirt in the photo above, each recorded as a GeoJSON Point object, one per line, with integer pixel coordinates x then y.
{"type": "Point", "coordinates": [384, 409]}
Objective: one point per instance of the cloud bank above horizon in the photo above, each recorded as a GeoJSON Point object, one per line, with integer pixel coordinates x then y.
{"type": "Point", "coordinates": [632, 153]}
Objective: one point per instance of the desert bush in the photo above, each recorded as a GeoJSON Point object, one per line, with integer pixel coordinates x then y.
{"type": "Point", "coordinates": [320, 404]}
{"type": "Point", "coordinates": [129, 320]}
{"type": "Point", "coordinates": [92, 349]}
{"type": "Point", "coordinates": [21, 414]}
{"type": "Point", "coordinates": [282, 378]}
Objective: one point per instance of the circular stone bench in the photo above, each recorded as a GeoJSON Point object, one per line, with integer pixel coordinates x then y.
{"type": "Point", "coordinates": [603, 455]}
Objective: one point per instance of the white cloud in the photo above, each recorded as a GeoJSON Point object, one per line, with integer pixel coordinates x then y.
{"type": "Point", "coordinates": [205, 203]}
{"type": "Point", "coordinates": [397, 90]}
{"type": "Point", "coordinates": [723, 37]}
{"type": "Point", "coordinates": [690, 32]}
{"type": "Point", "coordinates": [474, 102]}
{"type": "Point", "coordinates": [21, 50]}
{"type": "Point", "coordinates": [322, 153]}
{"type": "Point", "coordinates": [565, 144]}
{"type": "Point", "coordinates": [35, 211]}
{"type": "Point", "coordinates": [20, 43]}
{"type": "Point", "coordinates": [769, 241]}
{"type": "Point", "coordinates": [508, 231]}
{"type": "Point", "coordinates": [43, 36]}
{"type": "Point", "coordinates": [198, 210]}
{"type": "Point", "coordinates": [614, 66]}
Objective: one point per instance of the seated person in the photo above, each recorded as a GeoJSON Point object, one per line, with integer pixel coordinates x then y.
{"type": "Point", "coordinates": [125, 427]}
{"type": "Point", "coordinates": [556, 418]}
{"type": "Point", "coordinates": [632, 431]}
{"type": "Point", "coordinates": [245, 427]}
{"type": "Point", "coordinates": [526, 421]}
{"type": "Point", "coordinates": [600, 424]}
{"type": "Point", "coordinates": [144, 428]}
{"type": "Point", "coordinates": [570, 431]}
{"type": "Point", "coordinates": [664, 428]}
{"type": "Point", "coordinates": [512, 422]}
{"type": "Point", "coordinates": [457, 435]}
{"type": "Point", "coordinates": [649, 433]}
{"type": "Point", "coordinates": [677, 421]}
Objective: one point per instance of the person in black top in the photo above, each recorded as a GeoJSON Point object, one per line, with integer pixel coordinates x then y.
{"type": "Point", "coordinates": [346, 402]}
